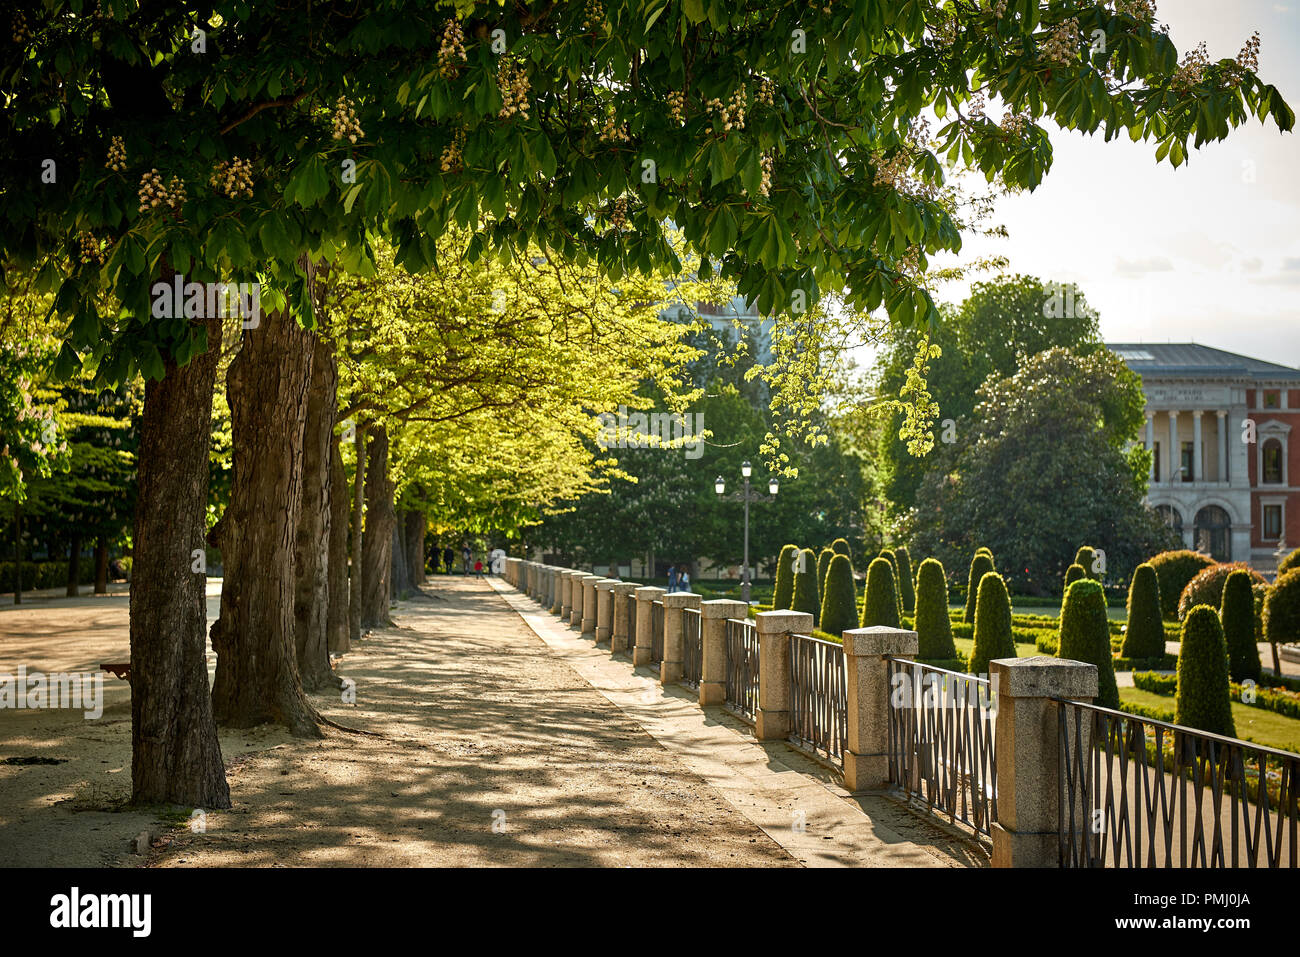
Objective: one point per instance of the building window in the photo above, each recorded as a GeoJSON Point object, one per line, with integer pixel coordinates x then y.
{"type": "Point", "coordinates": [1188, 473]}
{"type": "Point", "coordinates": [1155, 455]}
{"type": "Point", "coordinates": [1170, 516]}
{"type": "Point", "coordinates": [1272, 400]}
{"type": "Point", "coordinates": [1272, 522]}
{"type": "Point", "coordinates": [1272, 455]}
{"type": "Point", "coordinates": [1211, 532]}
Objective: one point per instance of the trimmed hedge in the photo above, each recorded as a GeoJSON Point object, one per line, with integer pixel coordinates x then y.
{"type": "Point", "coordinates": [807, 596]}
{"type": "Point", "coordinates": [1202, 700]}
{"type": "Point", "coordinates": [1207, 587]}
{"type": "Point", "coordinates": [839, 611]}
{"type": "Point", "coordinates": [1288, 563]}
{"type": "Point", "coordinates": [1085, 636]}
{"type": "Point", "coordinates": [1237, 615]}
{"type": "Point", "coordinates": [823, 562]}
{"type": "Point", "coordinates": [1072, 575]}
{"type": "Point", "coordinates": [906, 583]}
{"type": "Point", "coordinates": [881, 604]}
{"type": "Point", "coordinates": [1084, 558]}
{"type": "Point", "coordinates": [783, 590]}
{"type": "Point", "coordinates": [933, 626]}
{"type": "Point", "coordinates": [1282, 609]}
{"type": "Point", "coordinates": [1145, 636]}
{"type": "Point", "coordinates": [981, 564]}
{"type": "Point", "coordinates": [841, 547]}
{"type": "Point", "coordinates": [993, 637]}
{"type": "Point", "coordinates": [1174, 570]}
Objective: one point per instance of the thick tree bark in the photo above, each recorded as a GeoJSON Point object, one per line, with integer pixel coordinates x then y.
{"type": "Point", "coordinates": [399, 572]}
{"type": "Point", "coordinates": [257, 666]}
{"type": "Point", "coordinates": [416, 526]}
{"type": "Point", "coordinates": [74, 567]}
{"type": "Point", "coordinates": [311, 544]}
{"type": "Point", "coordinates": [336, 618]}
{"type": "Point", "coordinates": [358, 537]}
{"type": "Point", "coordinates": [18, 555]}
{"type": "Point", "coordinates": [101, 567]}
{"type": "Point", "coordinates": [376, 553]}
{"type": "Point", "coordinates": [175, 754]}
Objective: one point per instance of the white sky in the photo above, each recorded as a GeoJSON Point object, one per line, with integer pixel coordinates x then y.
{"type": "Point", "coordinates": [1200, 253]}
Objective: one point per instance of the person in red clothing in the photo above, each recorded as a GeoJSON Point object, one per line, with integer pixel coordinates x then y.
{"type": "Point", "coordinates": [478, 567]}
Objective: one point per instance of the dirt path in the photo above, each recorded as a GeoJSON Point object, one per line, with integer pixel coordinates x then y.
{"type": "Point", "coordinates": [492, 751]}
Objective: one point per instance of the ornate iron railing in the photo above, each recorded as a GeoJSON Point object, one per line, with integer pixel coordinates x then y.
{"type": "Point", "coordinates": [1136, 792]}
{"type": "Point", "coordinates": [742, 668]}
{"type": "Point", "coordinates": [656, 632]}
{"type": "Point", "coordinates": [692, 648]}
{"type": "Point", "coordinates": [941, 742]}
{"type": "Point", "coordinates": [818, 697]}
{"type": "Point", "coordinates": [631, 624]}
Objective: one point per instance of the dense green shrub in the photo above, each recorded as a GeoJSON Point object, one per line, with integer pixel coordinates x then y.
{"type": "Point", "coordinates": [1202, 699]}
{"type": "Point", "coordinates": [806, 595]}
{"type": "Point", "coordinates": [1084, 558]}
{"type": "Point", "coordinates": [1288, 563]}
{"type": "Point", "coordinates": [783, 590]}
{"type": "Point", "coordinates": [881, 604]}
{"type": "Point", "coordinates": [906, 585]}
{"type": "Point", "coordinates": [839, 611]}
{"type": "Point", "coordinates": [1085, 636]}
{"type": "Point", "coordinates": [1174, 570]}
{"type": "Point", "coordinates": [980, 565]}
{"type": "Point", "coordinates": [933, 626]}
{"type": "Point", "coordinates": [1207, 587]}
{"type": "Point", "coordinates": [1047, 644]}
{"type": "Point", "coordinates": [841, 547]}
{"type": "Point", "coordinates": [1282, 609]}
{"type": "Point", "coordinates": [992, 624]}
{"type": "Point", "coordinates": [1072, 575]}
{"type": "Point", "coordinates": [823, 562]}
{"type": "Point", "coordinates": [1237, 616]}
{"type": "Point", "coordinates": [1155, 682]}
{"type": "Point", "coordinates": [1145, 637]}
{"type": "Point", "coordinates": [45, 574]}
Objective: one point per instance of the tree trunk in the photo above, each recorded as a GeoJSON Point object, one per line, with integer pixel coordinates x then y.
{"type": "Point", "coordinates": [311, 545]}
{"type": "Point", "coordinates": [101, 566]}
{"type": "Point", "coordinates": [358, 536]}
{"type": "Point", "coordinates": [257, 666]}
{"type": "Point", "coordinates": [416, 527]}
{"type": "Point", "coordinates": [175, 754]}
{"type": "Point", "coordinates": [380, 519]}
{"type": "Point", "coordinates": [18, 554]}
{"type": "Point", "coordinates": [399, 571]}
{"type": "Point", "coordinates": [336, 619]}
{"type": "Point", "coordinates": [74, 566]}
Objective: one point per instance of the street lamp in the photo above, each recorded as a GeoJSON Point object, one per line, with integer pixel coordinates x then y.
{"type": "Point", "coordinates": [746, 496]}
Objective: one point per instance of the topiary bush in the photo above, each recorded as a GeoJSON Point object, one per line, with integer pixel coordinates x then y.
{"type": "Point", "coordinates": [1292, 561]}
{"type": "Point", "coordinates": [807, 596]}
{"type": "Point", "coordinates": [823, 562]}
{"type": "Point", "coordinates": [1072, 575]}
{"type": "Point", "coordinates": [783, 588]}
{"type": "Point", "coordinates": [1207, 587]}
{"type": "Point", "coordinates": [1202, 699]}
{"type": "Point", "coordinates": [841, 547]}
{"type": "Point", "coordinates": [839, 611]}
{"type": "Point", "coordinates": [933, 626]}
{"type": "Point", "coordinates": [984, 550]}
{"type": "Point", "coordinates": [1281, 613]}
{"type": "Point", "coordinates": [980, 565]}
{"type": "Point", "coordinates": [1237, 616]}
{"type": "Point", "coordinates": [993, 638]}
{"type": "Point", "coordinates": [1174, 570]}
{"type": "Point", "coordinates": [1145, 636]}
{"type": "Point", "coordinates": [1084, 558]}
{"type": "Point", "coordinates": [881, 604]}
{"type": "Point", "coordinates": [906, 586]}
{"type": "Point", "coordinates": [1085, 636]}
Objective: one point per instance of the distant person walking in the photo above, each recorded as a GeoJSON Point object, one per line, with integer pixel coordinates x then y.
{"type": "Point", "coordinates": [684, 582]}
{"type": "Point", "coordinates": [478, 568]}
{"type": "Point", "coordinates": [449, 559]}
{"type": "Point", "coordinates": [465, 556]}
{"type": "Point", "coordinates": [672, 578]}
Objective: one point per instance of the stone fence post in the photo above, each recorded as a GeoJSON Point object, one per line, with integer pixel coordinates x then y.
{"type": "Point", "coordinates": [604, 609]}
{"type": "Point", "coordinates": [772, 717]}
{"type": "Point", "coordinates": [713, 641]}
{"type": "Point", "coordinates": [552, 595]}
{"type": "Point", "coordinates": [618, 636]}
{"type": "Point", "coordinates": [566, 593]}
{"type": "Point", "coordinates": [575, 598]}
{"type": "Point", "coordinates": [868, 700]}
{"type": "Point", "coordinates": [1027, 751]}
{"type": "Point", "coordinates": [675, 605]}
{"type": "Point", "coordinates": [645, 599]}
{"type": "Point", "coordinates": [588, 623]}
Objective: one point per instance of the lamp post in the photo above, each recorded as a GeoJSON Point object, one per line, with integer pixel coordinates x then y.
{"type": "Point", "coordinates": [746, 496]}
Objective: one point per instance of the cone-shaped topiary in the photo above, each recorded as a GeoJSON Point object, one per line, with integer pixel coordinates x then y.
{"type": "Point", "coordinates": [1282, 611]}
{"type": "Point", "coordinates": [1206, 588]}
{"type": "Point", "coordinates": [906, 588]}
{"type": "Point", "coordinates": [933, 626]}
{"type": "Point", "coordinates": [980, 566]}
{"type": "Point", "coordinates": [839, 597]}
{"type": "Point", "coordinates": [1084, 558]}
{"type": "Point", "coordinates": [841, 547]}
{"type": "Point", "coordinates": [984, 550]}
{"type": "Point", "coordinates": [1175, 569]}
{"type": "Point", "coordinates": [893, 563]}
{"type": "Point", "coordinates": [783, 588]}
{"type": "Point", "coordinates": [1073, 574]}
{"type": "Point", "coordinates": [823, 562]}
{"type": "Point", "coordinates": [807, 596]}
{"type": "Point", "coordinates": [1085, 636]}
{"type": "Point", "coordinates": [1237, 615]}
{"type": "Point", "coordinates": [1288, 563]}
{"type": "Point", "coordinates": [881, 604]}
{"type": "Point", "coordinates": [1145, 634]}
{"type": "Point", "coordinates": [993, 637]}
{"type": "Point", "coordinates": [1202, 699]}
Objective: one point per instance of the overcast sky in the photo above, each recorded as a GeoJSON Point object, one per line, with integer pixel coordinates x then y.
{"type": "Point", "coordinates": [1207, 253]}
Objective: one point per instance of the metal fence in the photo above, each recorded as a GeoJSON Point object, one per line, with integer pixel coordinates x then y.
{"type": "Point", "coordinates": [941, 750]}
{"type": "Point", "coordinates": [656, 632]}
{"type": "Point", "coordinates": [818, 697]}
{"type": "Point", "coordinates": [1136, 792]}
{"type": "Point", "coordinates": [692, 648]}
{"type": "Point", "coordinates": [631, 623]}
{"type": "Point", "coordinates": [742, 668]}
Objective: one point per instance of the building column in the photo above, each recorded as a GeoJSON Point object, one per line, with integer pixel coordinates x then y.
{"type": "Point", "coordinates": [1221, 475]}
{"type": "Point", "coordinates": [1174, 455]}
{"type": "Point", "coordinates": [1198, 466]}
{"type": "Point", "coordinates": [1151, 444]}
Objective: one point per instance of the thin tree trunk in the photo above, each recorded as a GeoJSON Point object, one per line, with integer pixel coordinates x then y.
{"type": "Point", "coordinates": [336, 618]}
{"type": "Point", "coordinates": [257, 666]}
{"type": "Point", "coordinates": [74, 566]}
{"type": "Point", "coordinates": [311, 545]}
{"type": "Point", "coordinates": [101, 566]}
{"type": "Point", "coordinates": [358, 536]}
{"type": "Point", "coordinates": [380, 519]}
{"type": "Point", "coordinates": [175, 754]}
{"type": "Point", "coordinates": [399, 572]}
{"type": "Point", "coordinates": [18, 554]}
{"type": "Point", "coordinates": [416, 527]}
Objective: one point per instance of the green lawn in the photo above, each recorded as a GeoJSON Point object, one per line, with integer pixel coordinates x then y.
{"type": "Point", "coordinates": [1051, 611]}
{"type": "Point", "coordinates": [1023, 649]}
{"type": "Point", "coordinates": [1253, 724]}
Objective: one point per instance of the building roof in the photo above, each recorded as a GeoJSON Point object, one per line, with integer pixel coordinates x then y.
{"type": "Point", "coordinates": [1192, 359]}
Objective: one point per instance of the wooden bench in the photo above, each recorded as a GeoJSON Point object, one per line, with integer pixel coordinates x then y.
{"type": "Point", "coordinates": [118, 669]}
